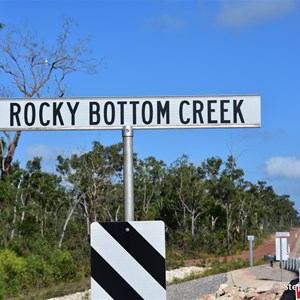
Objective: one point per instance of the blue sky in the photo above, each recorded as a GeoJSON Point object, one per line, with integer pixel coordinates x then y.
{"type": "Point", "coordinates": [153, 48]}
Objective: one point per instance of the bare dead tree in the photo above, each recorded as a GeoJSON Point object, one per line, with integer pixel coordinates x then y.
{"type": "Point", "coordinates": [37, 67]}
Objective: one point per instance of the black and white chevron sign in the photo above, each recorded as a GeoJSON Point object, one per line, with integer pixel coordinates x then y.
{"type": "Point", "coordinates": [128, 260]}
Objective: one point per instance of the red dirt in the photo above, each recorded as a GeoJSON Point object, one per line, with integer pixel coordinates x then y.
{"type": "Point", "coordinates": [268, 247]}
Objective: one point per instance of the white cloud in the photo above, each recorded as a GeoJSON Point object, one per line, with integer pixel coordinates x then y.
{"type": "Point", "coordinates": [283, 167]}
{"type": "Point", "coordinates": [48, 154]}
{"type": "Point", "coordinates": [41, 150]}
{"type": "Point", "coordinates": [167, 22]}
{"type": "Point", "coordinates": [243, 13]}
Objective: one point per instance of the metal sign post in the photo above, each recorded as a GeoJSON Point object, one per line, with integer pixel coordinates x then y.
{"type": "Point", "coordinates": [280, 259]}
{"type": "Point", "coordinates": [250, 239]}
{"type": "Point", "coordinates": [127, 134]}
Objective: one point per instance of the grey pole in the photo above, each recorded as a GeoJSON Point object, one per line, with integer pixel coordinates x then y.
{"type": "Point", "coordinates": [127, 134]}
{"type": "Point", "coordinates": [281, 259]}
{"type": "Point", "coordinates": [251, 253]}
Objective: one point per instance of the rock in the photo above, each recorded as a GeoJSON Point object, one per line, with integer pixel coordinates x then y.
{"type": "Point", "coordinates": [182, 273]}
{"type": "Point", "coordinates": [230, 297]}
{"type": "Point", "coordinates": [262, 289]}
{"type": "Point", "coordinates": [208, 297]}
{"type": "Point", "coordinates": [231, 290]}
{"type": "Point", "coordinates": [242, 294]}
{"type": "Point", "coordinates": [77, 296]}
{"type": "Point", "coordinates": [249, 289]}
{"type": "Point", "coordinates": [250, 293]}
{"type": "Point", "coordinates": [224, 289]}
{"type": "Point", "coordinates": [220, 292]}
{"type": "Point", "coordinates": [223, 286]}
{"type": "Point", "coordinates": [226, 292]}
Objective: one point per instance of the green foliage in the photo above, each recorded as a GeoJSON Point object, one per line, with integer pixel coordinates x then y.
{"type": "Point", "coordinates": [148, 177]}
{"type": "Point", "coordinates": [63, 266]}
{"type": "Point", "coordinates": [33, 272]}
{"type": "Point", "coordinates": [3, 292]}
{"type": "Point", "coordinates": [12, 273]}
{"type": "Point", "coordinates": [218, 267]}
{"type": "Point", "coordinates": [174, 257]}
{"type": "Point", "coordinates": [38, 271]}
{"type": "Point", "coordinates": [33, 245]}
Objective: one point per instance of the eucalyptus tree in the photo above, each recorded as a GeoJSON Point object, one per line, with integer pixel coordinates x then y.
{"type": "Point", "coordinates": [9, 195]}
{"type": "Point", "coordinates": [284, 213]}
{"type": "Point", "coordinates": [263, 217]}
{"type": "Point", "coordinates": [226, 186]}
{"type": "Point", "coordinates": [246, 209]}
{"type": "Point", "coordinates": [211, 172]}
{"type": "Point", "coordinates": [42, 195]}
{"type": "Point", "coordinates": [232, 189]}
{"type": "Point", "coordinates": [38, 66]}
{"type": "Point", "coordinates": [149, 175]}
{"type": "Point", "coordinates": [94, 177]}
{"type": "Point", "coordinates": [186, 194]}
{"type": "Point", "coordinates": [32, 200]}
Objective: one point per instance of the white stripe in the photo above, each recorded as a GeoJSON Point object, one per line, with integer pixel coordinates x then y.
{"type": "Point", "coordinates": [125, 265]}
{"type": "Point", "coordinates": [98, 293]}
{"type": "Point", "coordinates": [153, 232]}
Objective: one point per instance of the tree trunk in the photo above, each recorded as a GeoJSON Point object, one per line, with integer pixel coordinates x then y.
{"type": "Point", "coordinates": [228, 230]}
{"type": "Point", "coordinates": [70, 213]}
{"type": "Point", "coordinates": [87, 218]}
{"type": "Point", "coordinates": [213, 223]}
{"type": "Point", "coordinates": [12, 235]}
{"type": "Point", "coordinates": [116, 214]}
{"type": "Point", "coordinates": [6, 165]}
{"type": "Point", "coordinates": [193, 225]}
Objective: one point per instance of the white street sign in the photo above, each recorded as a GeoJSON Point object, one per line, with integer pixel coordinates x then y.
{"type": "Point", "coordinates": [281, 249]}
{"type": "Point", "coordinates": [282, 234]}
{"type": "Point", "coordinates": [137, 112]}
{"type": "Point", "coordinates": [250, 237]}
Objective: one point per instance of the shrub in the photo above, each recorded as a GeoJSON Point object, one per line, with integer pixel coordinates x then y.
{"type": "Point", "coordinates": [174, 258]}
{"type": "Point", "coordinates": [12, 273]}
{"type": "Point", "coordinates": [39, 272]}
{"type": "Point", "coordinates": [2, 286]}
{"type": "Point", "coordinates": [63, 266]}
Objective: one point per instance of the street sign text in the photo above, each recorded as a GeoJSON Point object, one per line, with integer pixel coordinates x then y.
{"type": "Point", "coordinates": [138, 112]}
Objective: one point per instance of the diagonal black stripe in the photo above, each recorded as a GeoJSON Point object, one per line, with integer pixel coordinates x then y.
{"type": "Point", "coordinates": [110, 280]}
{"type": "Point", "coordinates": [138, 247]}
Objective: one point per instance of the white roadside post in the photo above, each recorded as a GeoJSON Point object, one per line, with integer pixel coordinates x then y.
{"type": "Point", "coordinates": [281, 248]}
{"type": "Point", "coordinates": [251, 239]}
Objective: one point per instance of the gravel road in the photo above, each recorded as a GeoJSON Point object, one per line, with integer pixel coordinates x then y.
{"type": "Point", "coordinates": [190, 290]}
{"type": "Point", "coordinates": [194, 289]}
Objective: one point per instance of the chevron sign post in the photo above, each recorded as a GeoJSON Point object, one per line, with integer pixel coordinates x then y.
{"type": "Point", "coordinates": [128, 260]}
